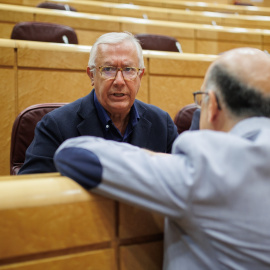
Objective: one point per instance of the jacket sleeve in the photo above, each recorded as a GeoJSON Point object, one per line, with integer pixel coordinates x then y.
{"type": "Point", "coordinates": [39, 155]}
{"type": "Point", "coordinates": [157, 182]}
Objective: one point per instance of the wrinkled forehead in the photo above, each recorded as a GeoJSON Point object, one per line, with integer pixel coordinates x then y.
{"type": "Point", "coordinates": [124, 52]}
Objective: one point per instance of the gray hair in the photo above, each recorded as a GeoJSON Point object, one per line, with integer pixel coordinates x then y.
{"type": "Point", "coordinates": [115, 38]}
{"type": "Point", "coordinates": [239, 98]}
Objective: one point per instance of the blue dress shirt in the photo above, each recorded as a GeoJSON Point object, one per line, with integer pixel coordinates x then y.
{"type": "Point", "coordinates": [111, 132]}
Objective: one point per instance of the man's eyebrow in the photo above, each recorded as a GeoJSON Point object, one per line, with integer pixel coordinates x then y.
{"type": "Point", "coordinates": [107, 64]}
{"type": "Point", "coordinates": [124, 64]}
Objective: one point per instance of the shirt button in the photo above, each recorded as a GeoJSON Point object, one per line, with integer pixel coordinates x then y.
{"type": "Point", "coordinates": [107, 126]}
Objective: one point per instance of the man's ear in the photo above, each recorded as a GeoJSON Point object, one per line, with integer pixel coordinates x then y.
{"type": "Point", "coordinates": [90, 75]}
{"type": "Point", "coordinates": [141, 73]}
{"type": "Point", "coordinates": [213, 110]}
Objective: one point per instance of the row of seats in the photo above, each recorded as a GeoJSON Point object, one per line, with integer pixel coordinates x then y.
{"type": "Point", "coordinates": [201, 4]}
{"type": "Point", "coordinates": [50, 32]}
{"type": "Point", "coordinates": [160, 13]}
{"type": "Point", "coordinates": [56, 6]}
{"type": "Point", "coordinates": [69, 8]}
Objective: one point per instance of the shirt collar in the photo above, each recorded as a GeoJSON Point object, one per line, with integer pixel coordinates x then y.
{"type": "Point", "coordinates": [248, 127]}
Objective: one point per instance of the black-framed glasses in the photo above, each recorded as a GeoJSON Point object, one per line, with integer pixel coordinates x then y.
{"type": "Point", "coordinates": [198, 98]}
{"type": "Point", "coordinates": [110, 72]}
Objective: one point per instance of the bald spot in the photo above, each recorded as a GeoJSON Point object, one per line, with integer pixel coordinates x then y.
{"type": "Point", "coordinates": [249, 65]}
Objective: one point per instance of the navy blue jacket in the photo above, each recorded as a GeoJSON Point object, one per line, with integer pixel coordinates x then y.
{"type": "Point", "coordinates": [155, 131]}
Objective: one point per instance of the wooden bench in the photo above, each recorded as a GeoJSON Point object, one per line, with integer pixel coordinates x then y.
{"type": "Point", "coordinates": [166, 14]}
{"type": "Point", "coordinates": [194, 38]}
{"type": "Point", "coordinates": [38, 72]}
{"type": "Point", "coordinates": [259, 8]}
{"type": "Point", "coordinates": [211, 5]}
{"type": "Point", "coordinates": [50, 222]}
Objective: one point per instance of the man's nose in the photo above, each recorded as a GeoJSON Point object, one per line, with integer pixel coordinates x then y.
{"type": "Point", "coordinates": [119, 78]}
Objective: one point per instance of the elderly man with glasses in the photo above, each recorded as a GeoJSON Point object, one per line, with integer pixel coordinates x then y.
{"type": "Point", "coordinates": [214, 189]}
{"type": "Point", "coordinates": [110, 111]}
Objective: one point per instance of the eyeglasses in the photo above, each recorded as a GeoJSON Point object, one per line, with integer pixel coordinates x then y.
{"type": "Point", "coordinates": [198, 98]}
{"type": "Point", "coordinates": [129, 73]}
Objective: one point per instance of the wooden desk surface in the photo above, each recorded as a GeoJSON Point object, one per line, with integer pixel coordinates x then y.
{"type": "Point", "coordinates": [200, 5]}
{"type": "Point", "coordinates": [50, 222]}
{"type": "Point", "coordinates": [169, 14]}
{"type": "Point", "coordinates": [228, 18]}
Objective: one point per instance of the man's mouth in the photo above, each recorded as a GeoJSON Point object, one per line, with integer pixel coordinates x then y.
{"type": "Point", "coordinates": [118, 94]}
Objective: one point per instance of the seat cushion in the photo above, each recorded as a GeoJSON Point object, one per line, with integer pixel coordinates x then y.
{"type": "Point", "coordinates": [183, 118]}
{"type": "Point", "coordinates": [47, 32]}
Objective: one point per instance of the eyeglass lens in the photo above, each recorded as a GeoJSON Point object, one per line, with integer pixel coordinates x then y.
{"type": "Point", "coordinates": [111, 72]}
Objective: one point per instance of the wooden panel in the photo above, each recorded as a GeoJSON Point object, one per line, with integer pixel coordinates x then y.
{"type": "Point", "coordinates": [162, 13]}
{"type": "Point", "coordinates": [16, 13]}
{"type": "Point", "coordinates": [15, 2]}
{"type": "Point", "coordinates": [230, 34]}
{"type": "Point", "coordinates": [50, 222]}
{"type": "Point", "coordinates": [50, 214]}
{"type": "Point", "coordinates": [180, 65]}
{"type": "Point", "coordinates": [81, 21]}
{"type": "Point", "coordinates": [152, 13]}
{"type": "Point", "coordinates": [134, 222]}
{"type": "Point", "coordinates": [54, 228]}
{"type": "Point", "coordinates": [175, 29]}
{"type": "Point", "coordinates": [92, 260]}
{"type": "Point", "coordinates": [143, 91]}
{"type": "Point", "coordinates": [187, 45]}
{"type": "Point", "coordinates": [261, 22]}
{"type": "Point", "coordinates": [88, 37]}
{"type": "Point", "coordinates": [39, 86]}
{"type": "Point", "coordinates": [260, 8]}
{"type": "Point", "coordinates": [266, 39]}
{"type": "Point", "coordinates": [90, 7]}
{"type": "Point", "coordinates": [173, 93]}
{"type": "Point", "coordinates": [267, 48]}
{"type": "Point", "coordinates": [203, 6]}
{"type": "Point", "coordinates": [6, 29]}
{"type": "Point", "coordinates": [7, 57]}
{"type": "Point", "coordinates": [60, 56]}
{"type": "Point", "coordinates": [142, 257]}
{"type": "Point", "coordinates": [206, 47]}
{"type": "Point", "coordinates": [7, 104]}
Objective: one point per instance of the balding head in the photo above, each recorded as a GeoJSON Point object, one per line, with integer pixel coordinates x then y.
{"type": "Point", "coordinates": [241, 79]}
{"type": "Point", "coordinates": [250, 66]}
